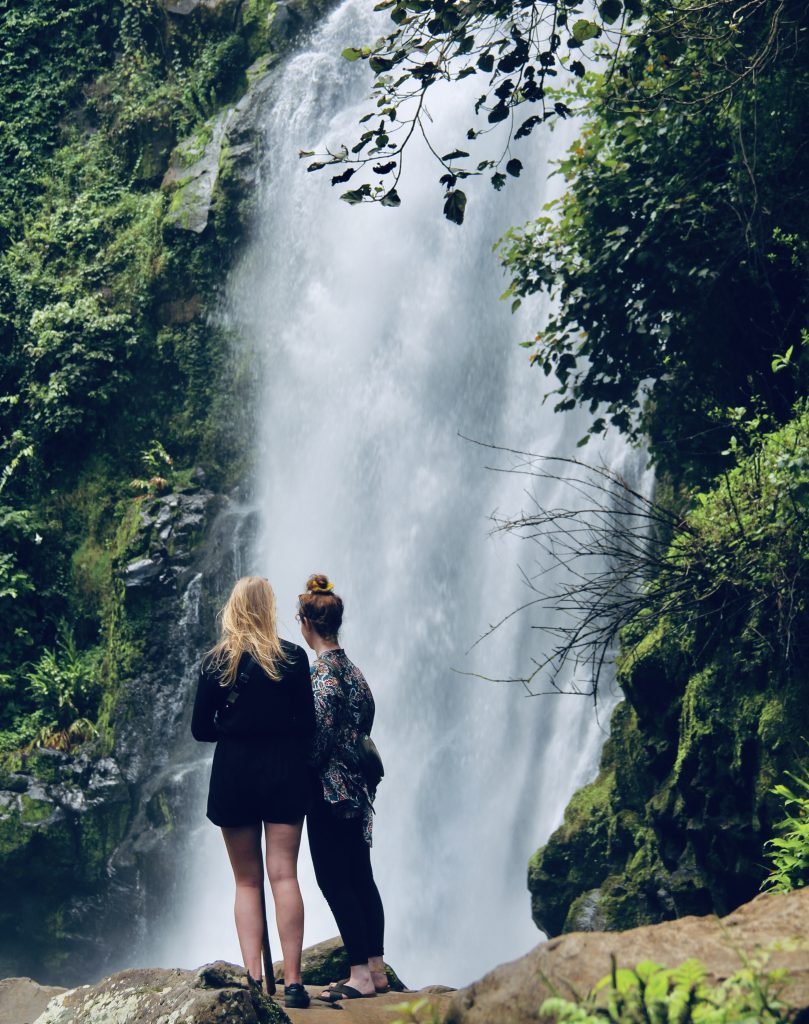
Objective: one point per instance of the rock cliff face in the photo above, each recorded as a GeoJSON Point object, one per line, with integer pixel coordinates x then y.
{"type": "Point", "coordinates": [86, 840]}
{"type": "Point", "coordinates": [676, 821]}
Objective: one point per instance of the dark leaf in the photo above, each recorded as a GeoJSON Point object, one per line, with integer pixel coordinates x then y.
{"type": "Point", "coordinates": [610, 10]}
{"type": "Point", "coordinates": [504, 90]}
{"type": "Point", "coordinates": [448, 180]}
{"type": "Point", "coordinates": [347, 174]}
{"type": "Point", "coordinates": [486, 62]}
{"type": "Point", "coordinates": [455, 206]}
{"type": "Point", "coordinates": [527, 127]}
{"type": "Point", "coordinates": [466, 73]}
{"type": "Point", "coordinates": [513, 167]}
{"type": "Point", "coordinates": [498, 180]}
{"type": "Point", "coordinates": [577, 68]}
{"type": "Point", "coordinates": [384, 168]}
{"type": "Point", "coordinates": [356, 195]}
{"type": "Point", "coordinates": [318, 166]}
{"type": "Point", "coordinates": [456, 154]}
{"type": "Point", "coordinates": [498, 113]}
{"type": "Point", "coordinates": [391, 198]}
{"type": "Point", "coordinates": [380, 64]}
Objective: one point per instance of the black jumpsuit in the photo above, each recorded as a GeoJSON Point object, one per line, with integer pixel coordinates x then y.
{"type": "Point", "coordinates": [263, 739]}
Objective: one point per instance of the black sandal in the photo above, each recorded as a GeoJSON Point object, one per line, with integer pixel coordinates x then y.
{"type": "Point", "coordinates": [342, 991]}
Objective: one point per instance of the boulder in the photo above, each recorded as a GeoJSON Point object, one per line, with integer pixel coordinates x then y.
{"type": "Point", "coordinates": [512, 993]}
{"type": "Point", "coordinates": [192, 175]}
{"type": "Point", "coordinates": [217, 992]}
{"type": "Point", "coordinates": [23, 1000]}
{"type": "Point", "coordinates": [328, 961]}
{"type": "Point", "coordinates": [141, 572]}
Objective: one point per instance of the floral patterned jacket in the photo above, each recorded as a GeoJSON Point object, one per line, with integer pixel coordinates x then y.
{"type": "Point", "coordinates": [344, 707]}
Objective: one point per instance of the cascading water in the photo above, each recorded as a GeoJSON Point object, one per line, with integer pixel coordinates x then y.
{"type": "Point", "coordinates": [380, 340]}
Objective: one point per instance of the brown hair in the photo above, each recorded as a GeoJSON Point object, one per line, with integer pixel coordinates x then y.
{"type": "Point", "coordinates": [321, 606]}
{"type": "Point", "coordinates": [248, 624]}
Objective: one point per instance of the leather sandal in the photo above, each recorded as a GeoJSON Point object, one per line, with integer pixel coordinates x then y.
{"type": "Point", "coordinates": [340, 991]}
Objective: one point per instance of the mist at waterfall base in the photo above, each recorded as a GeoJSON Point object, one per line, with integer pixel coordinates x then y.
{"type": "Point", "coordinates": [380, 340]}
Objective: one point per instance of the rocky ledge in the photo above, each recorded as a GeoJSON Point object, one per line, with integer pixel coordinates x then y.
{"type": "Point", "coordinates": [511, 994]}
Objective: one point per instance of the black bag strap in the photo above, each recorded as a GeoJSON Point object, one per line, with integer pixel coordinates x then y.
{"type": "Point", "coordinates": [241, 678]}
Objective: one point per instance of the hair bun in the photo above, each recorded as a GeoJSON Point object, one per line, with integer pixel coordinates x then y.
{"type": "Point", "coordinates": [319, 584]}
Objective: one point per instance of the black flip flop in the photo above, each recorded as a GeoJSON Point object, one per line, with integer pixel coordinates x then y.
{"type": "Point", "coordinates": [343, 991]}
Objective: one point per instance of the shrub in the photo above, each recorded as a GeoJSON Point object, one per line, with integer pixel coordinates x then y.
{"type": "Point", "coordinates": [789, 851]}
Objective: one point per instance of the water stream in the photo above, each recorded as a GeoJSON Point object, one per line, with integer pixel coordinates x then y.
{"type": "Point", "coordinates": [380, 341]}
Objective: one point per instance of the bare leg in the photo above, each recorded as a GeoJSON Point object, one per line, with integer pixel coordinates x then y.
{"type": "Point", "coordinates": [244, 849]}
{"type": "Point", "coordinates": [283, 843]}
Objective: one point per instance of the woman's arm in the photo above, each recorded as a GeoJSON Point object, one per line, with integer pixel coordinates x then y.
{"type": "Point", "coordinates": [327, 696]}
{"type": "Point", "coordinates": [206, 704]}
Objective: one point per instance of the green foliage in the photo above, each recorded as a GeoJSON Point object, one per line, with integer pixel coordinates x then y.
{"type": "Point", "coordinates": [50, 51]}
{"type": "Point", "coordinates": [652, 994]}
{"type": "Point", "coordinates": [788, 851]}
{"type": "Point", "coordinates": [93, 367]}
{"type": "Point", "coordinates": [676, 257]}
{"type": "Point", "coordinates": [63, 681]}
{"type": "Point", "coordinates": [417, 1011]}
{"type": "Point", "coordinates": [158, 465]}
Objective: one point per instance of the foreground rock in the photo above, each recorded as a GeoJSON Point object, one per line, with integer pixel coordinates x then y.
{"type": "Point", "coordinates": [23, 1000]}
{"type": "Point", "coordinates": [217, 992]}
{"type": "Point", "coordinates": [512, 993]}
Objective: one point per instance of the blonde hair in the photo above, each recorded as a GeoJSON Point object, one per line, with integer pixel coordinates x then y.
{"type": "Point", "coordinates": [248, 624]}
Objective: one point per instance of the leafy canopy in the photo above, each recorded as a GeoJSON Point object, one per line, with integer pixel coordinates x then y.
{"type": "Point", "coordinates": [514, 49]}
{"type": "Point", "coordinates": [676, 258]}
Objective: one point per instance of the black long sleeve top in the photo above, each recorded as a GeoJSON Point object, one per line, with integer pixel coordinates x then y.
{"type": "Point", "coordinates": [263, 706]}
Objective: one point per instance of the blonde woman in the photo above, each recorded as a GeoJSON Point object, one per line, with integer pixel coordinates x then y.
{"type": "Point", "coordinates": [254, 700]}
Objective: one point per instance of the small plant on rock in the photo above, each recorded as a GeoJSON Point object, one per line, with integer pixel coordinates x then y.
{"type": "Point", "coordinates": [63, 685]}
{"type": "Point", "coordinates": [652, 994]}
{"type": "Point", "coordinates": [159, 467]}
{"type": "Point", "coordinates": [788, 851]}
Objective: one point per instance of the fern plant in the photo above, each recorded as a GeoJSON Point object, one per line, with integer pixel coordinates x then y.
{"type": "Point", "coordinates": [653, 994]}
{"type": "Point", "coordinates": [63, 684]}
{"type": "Point", "coordinates": [788, 851]}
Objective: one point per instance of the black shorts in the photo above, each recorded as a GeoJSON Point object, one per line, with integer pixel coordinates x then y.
{"type": "Point", "coordinates": [255, 779]}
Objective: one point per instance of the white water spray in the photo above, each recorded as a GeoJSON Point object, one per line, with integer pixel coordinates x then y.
{"type": "Point", "coordinates": [381, 340]}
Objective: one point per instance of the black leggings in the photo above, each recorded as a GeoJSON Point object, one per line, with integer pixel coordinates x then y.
{"type": "Point", "coordinates": [342, 862]}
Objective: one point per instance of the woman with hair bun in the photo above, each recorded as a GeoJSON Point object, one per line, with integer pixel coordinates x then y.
{"type": "Point", "coordinates": [254, 699]}
{"type": "Point", "coordinates": [340, 815]}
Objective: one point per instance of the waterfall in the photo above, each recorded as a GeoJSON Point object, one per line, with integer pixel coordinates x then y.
{"type": "Point", "coordinates": [379, 340]}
